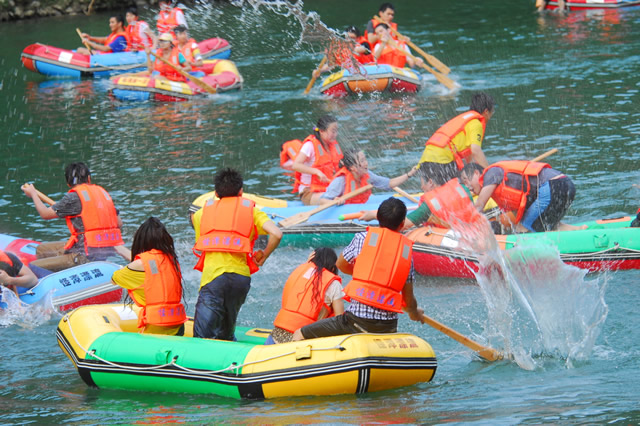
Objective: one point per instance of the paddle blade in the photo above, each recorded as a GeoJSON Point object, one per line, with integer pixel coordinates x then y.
{"type": "Point", "coordinates": [294, 220]}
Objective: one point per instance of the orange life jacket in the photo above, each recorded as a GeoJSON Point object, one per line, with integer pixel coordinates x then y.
{"type": "Point", "coordinates": [165, 70]}
{"type": "Point", "coordinates": [392, 56]}
{"type": "Point", "coordinates": [326, 162]}
{"type": "Point", "coordinates": [162, 291]}
{"type": "Point", "coordinates": [298, 308]}
{"type": "Point", "coordinates": [114, 36]}
{"type": "Point", "coordinates": [364, 58]}
{"type": "Point", "coordinates": [375, 24]}
{"type": "Point", "coordinates": [6, 259]}
{"type": "Point", "coordinates": [506, 195]}
{"type": "Point", "coordinates": [137, 41]}
{"type": "Point", "coordinates": [443, 137]}
{"type": "Point", "coordinates": [381, 270]}
{"type": "Point", "coordinates": [451, 202]}
{"type": "Point", "coordinates": [187, 50]}
{"type": "Point", "coordinates": [227, 226]}
{"type": "Point", "coordinates": [167, 20]}
{"type": "Point", "coordinates": [99, 218]}
{"type": "Point", "coordinates": [351, 184]}
{"type": "Point", "coordinates": [289, 151]}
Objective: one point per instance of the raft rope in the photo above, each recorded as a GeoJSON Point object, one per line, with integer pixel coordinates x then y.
{"type": "Point", "coordinates": [233, 365]}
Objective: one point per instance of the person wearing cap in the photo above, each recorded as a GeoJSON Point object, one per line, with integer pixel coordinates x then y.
{"type": "Point", "coordinates": [169, 17]}
{"type": "Point", "coordinates": [188, 46]}
{"type": "Point", "coordinates": [140, 35]}
{"type": "Point", "coordinates": [169, 52]}
{"type": "Point", "coordinates": [117, 41]}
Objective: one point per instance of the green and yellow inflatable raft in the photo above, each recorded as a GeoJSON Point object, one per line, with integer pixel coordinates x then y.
{"type": "Point", "coordinates": [103, 343]}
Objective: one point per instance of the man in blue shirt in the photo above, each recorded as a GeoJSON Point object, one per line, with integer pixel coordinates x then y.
{"type": "Point", "coordinates": [114, 42]}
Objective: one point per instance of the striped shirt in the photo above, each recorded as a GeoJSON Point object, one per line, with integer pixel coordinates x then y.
{"type": "Point", "coordinates": [358, 309]}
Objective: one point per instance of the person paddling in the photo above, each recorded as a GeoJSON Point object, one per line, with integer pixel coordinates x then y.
{"type": "Point", "coordinates": [91, 216]}
{"type": "Point", "coordinates": [170, 53]}
{"type": "Point", "coordinates": [117, 41]}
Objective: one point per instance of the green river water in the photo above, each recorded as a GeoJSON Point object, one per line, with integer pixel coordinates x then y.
{"type": "Point", "coordinates": [568, 82]}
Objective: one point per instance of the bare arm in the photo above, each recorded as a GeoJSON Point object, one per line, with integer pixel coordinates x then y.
{"type": "Point", "coordinates": [149, 63]}
{"type": "Point", "coordinates": [344, 266]}
{"type": "Point", "coordinates": [397, 181]}
{"type": "Point", "coordinates": [477, 156]}
{"type": "Point", "coordinates": [298, 166]}
{"type": "Point", "coordinates": [411, 308]}
{"type": "Point", "coordinates": [275, 235]}
{"type": "Point", "coordinates": [485, 194]}
{"type": "Point", "coordinates": [45, 212]}
{"type": "Point", "coordinates": [26, 278]}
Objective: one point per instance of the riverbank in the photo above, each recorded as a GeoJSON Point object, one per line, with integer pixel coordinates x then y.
{"type": "Point", "coordinates": [11, 10]}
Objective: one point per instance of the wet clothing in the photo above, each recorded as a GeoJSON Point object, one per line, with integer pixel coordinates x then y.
{"type": "Point", "coordinates": [421, 215]}
{"type": "Point", "coordinates": [218, 305]}
{"type": "Point", "coordinates": [225, 282]}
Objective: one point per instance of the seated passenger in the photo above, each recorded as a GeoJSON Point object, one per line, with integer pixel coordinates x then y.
{"type": "Point", "coordinates": [140, 35]}
{"type": "Point", "coordinates": [188, 46]}
{"type": "Point", "coordinates": [317, 161]}
{"type": "Point", "coordinates": [382, 286]}
{"type": "Point", "coordinates": [353, 174]}
{"type": "Point", "coordinates": [167, 51]}
{"type": "Point", "coordinates": [154, 280]}
{"type": "Point", "coordinates": [313, 291]}
{"type": "Point", "coordinates": [13, 273]}
{"type": "Point", "coordinates": [539, 195]}
{"type": "Point", "coordinates": [91, 217]}
{"type": "Point", "coordinates": [393, 52]}
{"type": "Point", "coordinates": [169, 17]}
{"type": "Point", "coordinates": [117, 41]}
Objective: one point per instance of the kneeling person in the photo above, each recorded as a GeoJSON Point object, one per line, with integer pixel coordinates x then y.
{"type": "Point", "coordinates": [382, 285]}
{"type": "Point", "coordinates": [539, 195]}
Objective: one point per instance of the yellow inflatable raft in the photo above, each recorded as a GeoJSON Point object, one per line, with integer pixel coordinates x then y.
{"type": "Point", "coordinates": [103, 343]}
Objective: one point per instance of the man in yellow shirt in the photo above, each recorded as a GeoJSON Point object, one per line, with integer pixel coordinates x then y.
{"type": "Point", "coordinates": [226, 230]}
{"type": "Point", "coordinates": [459, 141]}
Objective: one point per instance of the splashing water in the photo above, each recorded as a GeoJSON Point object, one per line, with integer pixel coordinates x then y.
{"type": "Point", "coordinates": [16, 312]}
{"type": "Point", "coordinates": [537, 305]}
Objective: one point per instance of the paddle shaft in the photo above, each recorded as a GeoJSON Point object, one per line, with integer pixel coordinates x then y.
{"type": "Point", "coordinates": [405, 194]}
{"type": "Point", "coordinates": [545, 155]}
{"type": "Point", "coordinates": [446, 81]}
{"type": "Point", "coordinates": [84, 42]}
{"type": "Point", "coordinates": [44, 198]}
{"type": "Point", "coordinates": [313, 77]}
{"type": "Point", "coordinates": [204, 86]}
{"type": "Point", "coordinates": [485, 352]}
{"type": "Point", "coordinates": [437, 64]}
{"type": "Point", "coordinates": [303, 217]}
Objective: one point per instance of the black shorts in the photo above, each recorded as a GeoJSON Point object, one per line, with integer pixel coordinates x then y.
{"type": "Point", "coordinates": [562, 194]}
{"type": "Point", "coordinates": [347, 323]}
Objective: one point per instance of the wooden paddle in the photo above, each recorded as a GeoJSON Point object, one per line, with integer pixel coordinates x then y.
{"type": "Point", "coordinates": [545, 155]}
{"type": "Point", "coordinates": [450, 84]}
{"type": "Point", "coordinates": [201, 84]}
{"type": "Point", "coordinates": [405, 194]}
{"type": "Point", "coordinates": [435, 62]}
{"type": "Point", "coordinates": [84, 42]}
{"type": "Point", "coordinates": [304, 216]}
{"type": "Point", "coordinates": [44, 198]}
{"type": "Point", "coordinates": [313, 77]}
{"type": "Point", "coordinates": [485, 352]}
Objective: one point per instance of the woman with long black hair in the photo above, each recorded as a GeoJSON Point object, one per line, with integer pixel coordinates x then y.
{"type": "Point", "coordinates": [154, 280]}
{"type": "Point", "coordinates": [313, 291]}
